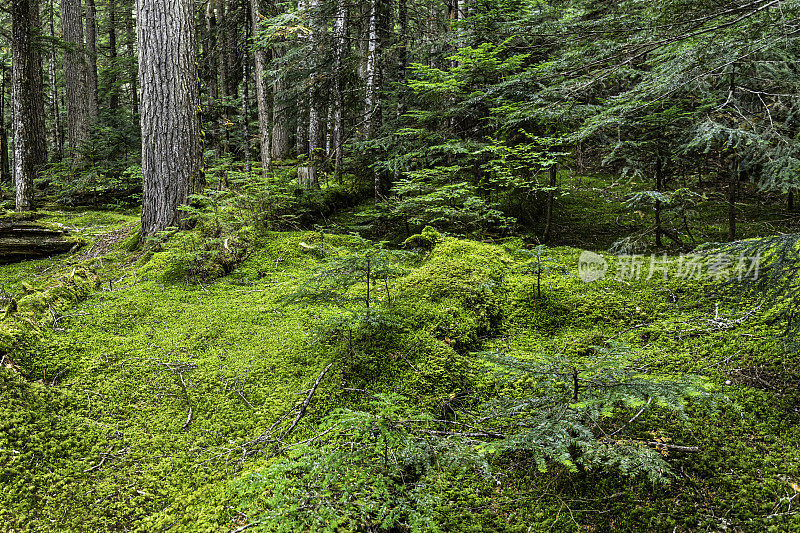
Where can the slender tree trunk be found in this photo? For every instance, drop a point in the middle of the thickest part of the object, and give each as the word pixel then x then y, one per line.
pixel 315 105
pixel 171 149
pixel 281 134
pixel 659 187
pixel 246 97
pixel 402 64
pixel 75 74
pixel 301 127
pixel 223 67
pixel 301 130
pixel 340 52
pixel 130 52
pixel 113 97
pixel 262 92
pixel 5 168
pixel 329 132
pixel 30 138
pixel 55 111
pixel 733 185
pixel 372 102
pixel 91 61
pixel 733 182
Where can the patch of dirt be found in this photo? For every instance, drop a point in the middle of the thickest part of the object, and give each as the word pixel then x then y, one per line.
pixel 107 242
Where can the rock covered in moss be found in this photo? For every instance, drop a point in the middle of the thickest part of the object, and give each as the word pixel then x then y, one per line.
pixel 425 240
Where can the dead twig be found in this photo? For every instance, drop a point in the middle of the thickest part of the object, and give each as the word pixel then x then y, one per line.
pixel 305 403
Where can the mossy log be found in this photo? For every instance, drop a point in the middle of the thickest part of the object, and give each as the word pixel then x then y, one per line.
pixel 20 239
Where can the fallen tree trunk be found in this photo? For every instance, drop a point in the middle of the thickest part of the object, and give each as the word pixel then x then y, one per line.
pixel 21 240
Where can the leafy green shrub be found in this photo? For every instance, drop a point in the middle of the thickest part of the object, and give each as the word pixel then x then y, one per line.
pixel 442 198
pixel 386 467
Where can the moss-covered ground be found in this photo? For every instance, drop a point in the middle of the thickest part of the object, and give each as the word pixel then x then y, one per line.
pixel 129 394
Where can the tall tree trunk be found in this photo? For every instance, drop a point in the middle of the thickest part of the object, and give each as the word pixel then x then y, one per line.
pixel 329 132
pixel 91 60
pixel 130 52
pixel 246 113
pixel 55 111
pixel 262 92
pixel 281 133
pixel 5 169
pixel 211 72
pixel 659 187
pixel 372 101
pixel 316 141
pixel 733 185
pixel 223 67
pixel 245 96
pixel 301 127
pixel 402 65
pixel 340 52
pixel 30 138
pixel 171 150
pixel 113 97
pixel 75 74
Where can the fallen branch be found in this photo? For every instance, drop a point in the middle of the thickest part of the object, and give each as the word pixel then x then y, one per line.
pixel 248 526
pixel 671 447
pixel 188 420
pixel 305 403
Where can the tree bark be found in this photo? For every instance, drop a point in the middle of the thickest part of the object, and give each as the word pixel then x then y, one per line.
pixel 340 52
pixel 301 127
pixel 372 101
pixel 402 65
pixel 733 185
pixel 281 132
pixel 75 71
pixel 246 110
pixel 113 97
pixel 659 187
pixel 91 61
pixel 281 136
pixel 30 140
pixel 262 93
pixel 316 143
pixel 130 52
pixel 55 111
pixel 225 74
pixel 5 169
pixel 171 149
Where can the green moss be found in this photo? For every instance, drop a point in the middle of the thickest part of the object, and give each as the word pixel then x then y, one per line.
pixel 101 439
pixel 425 240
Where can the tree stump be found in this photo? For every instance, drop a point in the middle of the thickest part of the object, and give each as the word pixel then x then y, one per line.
pixel 307 177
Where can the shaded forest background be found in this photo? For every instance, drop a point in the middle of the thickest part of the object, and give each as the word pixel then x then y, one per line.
pixel 464 115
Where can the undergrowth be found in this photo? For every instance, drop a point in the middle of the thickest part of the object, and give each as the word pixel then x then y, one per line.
pixel 140 393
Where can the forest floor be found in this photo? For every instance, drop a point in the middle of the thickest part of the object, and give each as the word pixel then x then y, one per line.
pixel 129 392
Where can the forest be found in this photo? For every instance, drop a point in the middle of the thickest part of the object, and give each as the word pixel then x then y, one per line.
pixel 399 265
